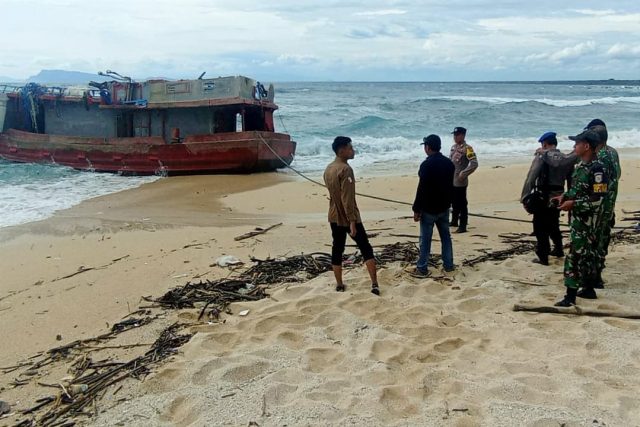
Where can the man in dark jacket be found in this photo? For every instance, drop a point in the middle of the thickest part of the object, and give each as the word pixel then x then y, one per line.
pixel 548 173
pixel 431 206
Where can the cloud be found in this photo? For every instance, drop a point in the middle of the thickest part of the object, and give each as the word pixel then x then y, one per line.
pixel 353 39
pixel 624 51
pixel 594 12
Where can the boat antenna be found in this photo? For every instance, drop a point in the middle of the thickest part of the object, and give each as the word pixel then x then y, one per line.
pixel 202 75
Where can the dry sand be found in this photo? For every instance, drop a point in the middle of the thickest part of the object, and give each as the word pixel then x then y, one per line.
pixel 446 351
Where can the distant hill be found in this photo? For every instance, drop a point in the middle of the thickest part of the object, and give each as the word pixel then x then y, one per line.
pixel 65 77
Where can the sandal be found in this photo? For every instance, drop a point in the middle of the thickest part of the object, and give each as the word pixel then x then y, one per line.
pixel 340 288
pixel 375 289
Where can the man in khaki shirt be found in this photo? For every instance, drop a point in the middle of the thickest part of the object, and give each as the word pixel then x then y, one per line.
pixel 344 216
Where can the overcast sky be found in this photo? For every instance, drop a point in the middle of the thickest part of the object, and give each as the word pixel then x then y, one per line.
pixel 293 40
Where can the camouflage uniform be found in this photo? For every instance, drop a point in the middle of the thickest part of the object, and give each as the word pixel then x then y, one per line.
pixel 609 160
pixel 589 186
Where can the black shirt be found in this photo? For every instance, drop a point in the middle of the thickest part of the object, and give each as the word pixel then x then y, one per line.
pixel 436 185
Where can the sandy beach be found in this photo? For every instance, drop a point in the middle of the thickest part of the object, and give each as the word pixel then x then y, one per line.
pixel 446 351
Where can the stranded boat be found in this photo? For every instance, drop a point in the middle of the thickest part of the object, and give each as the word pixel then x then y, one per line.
pixel 160 127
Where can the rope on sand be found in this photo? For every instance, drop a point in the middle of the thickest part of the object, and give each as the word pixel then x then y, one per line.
pixel 399 202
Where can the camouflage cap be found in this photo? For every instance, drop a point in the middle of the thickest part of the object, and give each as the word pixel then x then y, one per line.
pixel 589 136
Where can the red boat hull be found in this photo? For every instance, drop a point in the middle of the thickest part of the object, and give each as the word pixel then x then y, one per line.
pixel 244 152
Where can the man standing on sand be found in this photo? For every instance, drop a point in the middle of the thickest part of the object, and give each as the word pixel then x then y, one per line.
pixel 431 205
pixel 465 161
pixel 344 216
pixel 548 173
pixel 589 186
pixel 609 158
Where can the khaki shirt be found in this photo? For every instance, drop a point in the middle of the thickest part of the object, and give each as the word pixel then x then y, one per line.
pixel 465 161
pixel 339 179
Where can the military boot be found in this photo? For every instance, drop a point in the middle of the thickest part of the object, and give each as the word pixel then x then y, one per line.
pixel 587 292
pixel 569 299
pixel 599 283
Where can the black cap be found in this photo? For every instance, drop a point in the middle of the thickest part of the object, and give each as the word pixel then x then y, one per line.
pixel 432 141
pixel 601 131
pixel 595 122
pixel 589 136
pixel 459 129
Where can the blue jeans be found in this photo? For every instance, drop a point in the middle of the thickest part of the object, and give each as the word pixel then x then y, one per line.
pixel 441 221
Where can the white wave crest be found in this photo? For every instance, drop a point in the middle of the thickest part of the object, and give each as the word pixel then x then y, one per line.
pixel 546 101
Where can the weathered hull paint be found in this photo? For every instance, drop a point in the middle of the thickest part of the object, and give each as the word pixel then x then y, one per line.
pixel 243 152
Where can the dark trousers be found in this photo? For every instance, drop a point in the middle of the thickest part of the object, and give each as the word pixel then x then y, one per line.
pixel 340 238
pixel 459 209
pixel 546 225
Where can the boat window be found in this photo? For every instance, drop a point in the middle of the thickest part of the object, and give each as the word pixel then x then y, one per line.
pixel 239 122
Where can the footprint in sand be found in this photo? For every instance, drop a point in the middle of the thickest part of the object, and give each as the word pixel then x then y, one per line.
pixel 538 383
pixel 627 325
pixel 448 321
pixel 426 356
pixel 165 380
pixel 291 339
pixel 201 376
pixel 471 305
pixel 313 310
pixel 447 346
pixel 275 323
pixel 223 341
pixel 323 359
pixel 396 400
pixel 387 351
pixel 280 394
pixel 321 300
pixel 243 373
pixel 180 412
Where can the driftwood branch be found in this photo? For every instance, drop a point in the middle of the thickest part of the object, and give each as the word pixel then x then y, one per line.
pixel 524 282
pixel 256 232
pixel 575 310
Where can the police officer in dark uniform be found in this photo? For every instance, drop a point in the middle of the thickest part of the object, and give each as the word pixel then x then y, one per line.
pixel 547 175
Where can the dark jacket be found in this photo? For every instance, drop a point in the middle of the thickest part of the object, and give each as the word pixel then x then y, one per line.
pixel 548 172
pixel 436 185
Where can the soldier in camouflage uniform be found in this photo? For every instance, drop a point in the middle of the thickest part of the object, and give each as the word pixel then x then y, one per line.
pixel 608 156
pixel 583 199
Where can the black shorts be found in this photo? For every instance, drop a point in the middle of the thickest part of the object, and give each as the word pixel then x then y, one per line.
pixel 340 238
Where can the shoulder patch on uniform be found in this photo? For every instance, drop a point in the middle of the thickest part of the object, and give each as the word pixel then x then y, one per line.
pixel 470 153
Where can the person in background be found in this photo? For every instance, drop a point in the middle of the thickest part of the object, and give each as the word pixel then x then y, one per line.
pixel 609 158
pixel 344 216
pixel 465 162
pixel 549 171
pixel 432 203
pixel 583 199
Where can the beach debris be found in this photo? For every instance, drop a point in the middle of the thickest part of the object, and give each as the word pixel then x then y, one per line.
pixel 5 408
pixel 83 269
pixel 89 379
pixel 517 248
pixel 256 232
pixel 575 310
pixel 243 313
pixel 226 260
pixel 58 337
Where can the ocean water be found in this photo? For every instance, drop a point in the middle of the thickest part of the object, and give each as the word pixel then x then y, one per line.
pixel 386 122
